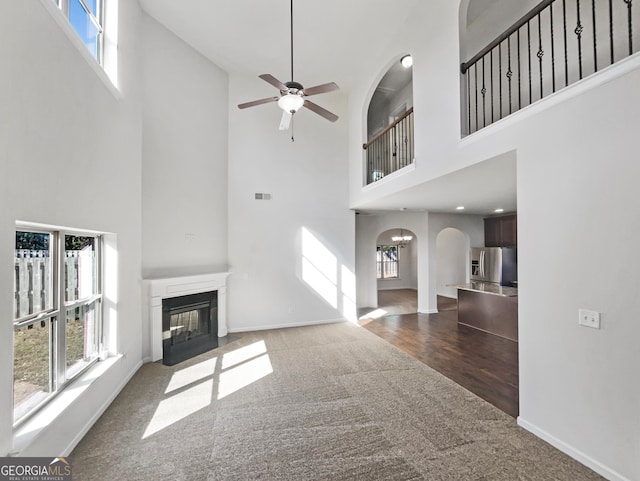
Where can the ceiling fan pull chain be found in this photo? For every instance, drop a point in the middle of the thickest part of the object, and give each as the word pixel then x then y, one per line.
pixel 293 122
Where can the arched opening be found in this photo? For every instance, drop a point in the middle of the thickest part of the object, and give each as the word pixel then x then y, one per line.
pixel 389 145
pixel 452 254
pixel 397 271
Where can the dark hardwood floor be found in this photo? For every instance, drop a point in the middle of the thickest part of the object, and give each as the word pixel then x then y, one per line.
pixel 485 364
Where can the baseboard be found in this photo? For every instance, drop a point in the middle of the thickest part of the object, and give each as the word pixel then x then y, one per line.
pixel 579 456
pixel 74 442
pixel 429 311
pixel 283 326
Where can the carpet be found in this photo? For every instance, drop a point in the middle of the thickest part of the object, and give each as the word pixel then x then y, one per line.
pixel 329 402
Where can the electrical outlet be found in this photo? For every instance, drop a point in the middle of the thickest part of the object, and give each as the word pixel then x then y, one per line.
pixel 589 318
pixel 189 237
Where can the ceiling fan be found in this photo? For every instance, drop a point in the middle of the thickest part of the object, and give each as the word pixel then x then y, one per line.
pixel 293 95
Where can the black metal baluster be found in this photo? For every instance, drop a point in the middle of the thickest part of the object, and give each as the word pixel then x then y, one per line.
pixel 484 97
pixel 491 96
pixel 475 71
pixel 595 47
pixel 529 57
pixel 500 78
pixel 540 52
pixel 578 31
pixel 611 30
pixel 629 21
pixel 509 72
pixel 553 52
pixel 519 75
pixel 468 100
pixel 566 55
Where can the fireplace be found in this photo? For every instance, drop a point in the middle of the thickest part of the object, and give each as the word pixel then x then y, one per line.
pixel 189 326
pixel 160 289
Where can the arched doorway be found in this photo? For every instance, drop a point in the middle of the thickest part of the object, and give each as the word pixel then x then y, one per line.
pixel 452 255
pixel 397 271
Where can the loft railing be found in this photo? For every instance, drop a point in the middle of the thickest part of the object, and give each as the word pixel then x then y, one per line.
pixel 391 149
pixel 554 45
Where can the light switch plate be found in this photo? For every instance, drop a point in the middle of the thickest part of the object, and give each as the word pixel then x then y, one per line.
pixel 589 318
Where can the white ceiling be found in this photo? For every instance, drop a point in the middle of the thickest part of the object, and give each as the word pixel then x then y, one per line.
pixel 251 37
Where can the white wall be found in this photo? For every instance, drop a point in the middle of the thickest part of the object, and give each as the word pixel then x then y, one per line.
pixel 184 160
pixel 69 156
pixel 273 281
pixel 184 151
pixel 407 263
pixel 452 260
pixel 576 384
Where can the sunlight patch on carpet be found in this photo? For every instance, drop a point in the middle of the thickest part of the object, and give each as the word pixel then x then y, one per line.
pixel 243 354
pixel 243 375
pixel 179 406
pixel 191 375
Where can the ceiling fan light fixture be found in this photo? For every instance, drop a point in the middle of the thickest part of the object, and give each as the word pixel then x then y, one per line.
pixel 406 61
pixel 290 102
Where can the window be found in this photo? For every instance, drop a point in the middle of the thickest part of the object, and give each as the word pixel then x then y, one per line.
pixel 87 19
pixel 57 313
pixel 387 262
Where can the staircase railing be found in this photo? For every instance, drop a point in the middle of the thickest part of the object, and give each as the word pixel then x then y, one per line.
pixel 391 149
pixel 554 45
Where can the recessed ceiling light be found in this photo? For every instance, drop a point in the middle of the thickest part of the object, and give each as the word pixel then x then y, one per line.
pixel 499 211
pixel 460 207
pixel 406 61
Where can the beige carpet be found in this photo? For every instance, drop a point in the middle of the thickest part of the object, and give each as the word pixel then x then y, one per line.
pixel 331 402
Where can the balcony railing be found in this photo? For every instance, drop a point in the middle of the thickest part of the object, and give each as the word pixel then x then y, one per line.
pixel 391 149
pixel 554 45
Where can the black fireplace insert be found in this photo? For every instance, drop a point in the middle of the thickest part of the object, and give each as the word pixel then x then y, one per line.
pixel 189 326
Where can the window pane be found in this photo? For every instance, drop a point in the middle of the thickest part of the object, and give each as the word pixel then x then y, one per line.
pixel 31 366
pixel 84 26
pixel 92 5
pixel 32 280
pixel 80 274
pixel 82 335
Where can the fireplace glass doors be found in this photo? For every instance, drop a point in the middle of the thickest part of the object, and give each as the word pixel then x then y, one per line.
pixel 189 326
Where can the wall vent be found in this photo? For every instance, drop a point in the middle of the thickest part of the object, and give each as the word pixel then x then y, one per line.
pixel 263 196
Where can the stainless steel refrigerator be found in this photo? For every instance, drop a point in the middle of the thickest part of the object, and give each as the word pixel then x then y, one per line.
pixel 494 264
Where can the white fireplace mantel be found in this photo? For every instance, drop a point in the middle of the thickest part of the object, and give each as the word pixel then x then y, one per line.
pixel 165 288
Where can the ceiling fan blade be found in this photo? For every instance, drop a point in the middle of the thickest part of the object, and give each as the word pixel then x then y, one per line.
pixel 321 89
pixel 258 102
pixel 320 111
pixel 285 121
pixel 273 81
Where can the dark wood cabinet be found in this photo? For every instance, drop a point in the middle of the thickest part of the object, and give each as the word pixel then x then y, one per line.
pixel 501 231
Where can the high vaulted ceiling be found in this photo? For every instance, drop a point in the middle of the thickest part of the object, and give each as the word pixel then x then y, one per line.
pixel 252 36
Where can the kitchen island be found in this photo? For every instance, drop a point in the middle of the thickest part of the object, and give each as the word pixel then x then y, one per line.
pixel 489 307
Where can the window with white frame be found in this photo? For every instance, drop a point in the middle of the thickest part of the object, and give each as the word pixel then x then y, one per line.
pixel 57 313
pixel 387 262
pixel 87 19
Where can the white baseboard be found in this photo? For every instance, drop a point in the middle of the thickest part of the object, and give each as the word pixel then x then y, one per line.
pixel 107 402
pixel 283 326
pixel 579 456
